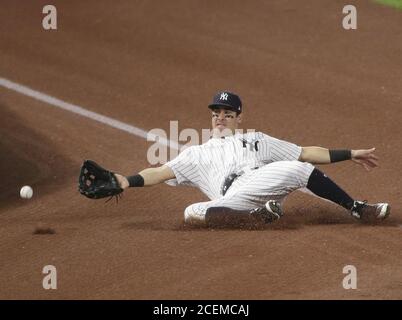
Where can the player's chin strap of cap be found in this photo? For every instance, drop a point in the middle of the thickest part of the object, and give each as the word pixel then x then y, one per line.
pixel 232 177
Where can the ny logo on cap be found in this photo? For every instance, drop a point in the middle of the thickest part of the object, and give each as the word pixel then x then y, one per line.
pixel 224 96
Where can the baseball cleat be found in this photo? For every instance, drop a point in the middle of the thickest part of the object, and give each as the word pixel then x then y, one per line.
pixel 271 212
pixel 365 211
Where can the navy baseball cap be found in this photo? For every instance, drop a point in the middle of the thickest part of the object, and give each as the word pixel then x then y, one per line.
pixel 227 100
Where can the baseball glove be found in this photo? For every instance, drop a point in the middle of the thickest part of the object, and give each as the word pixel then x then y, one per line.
pixel 96 182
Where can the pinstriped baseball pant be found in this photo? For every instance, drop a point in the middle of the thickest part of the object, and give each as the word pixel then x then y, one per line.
pixel 253 189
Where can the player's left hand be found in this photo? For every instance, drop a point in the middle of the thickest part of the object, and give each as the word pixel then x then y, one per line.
pixel 365 158
pixel 96 182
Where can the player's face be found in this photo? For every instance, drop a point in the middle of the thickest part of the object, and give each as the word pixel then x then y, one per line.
pixel 225 120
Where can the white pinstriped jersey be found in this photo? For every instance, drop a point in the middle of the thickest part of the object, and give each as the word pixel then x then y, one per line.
pixel 206 166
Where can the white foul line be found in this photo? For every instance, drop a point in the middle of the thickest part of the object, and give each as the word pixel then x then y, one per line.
pixel 86 113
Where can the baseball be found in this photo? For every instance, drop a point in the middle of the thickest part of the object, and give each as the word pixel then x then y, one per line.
pixel 26 192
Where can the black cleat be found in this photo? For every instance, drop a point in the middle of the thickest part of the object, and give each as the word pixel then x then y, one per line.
pixel 364 211
pixel 271 212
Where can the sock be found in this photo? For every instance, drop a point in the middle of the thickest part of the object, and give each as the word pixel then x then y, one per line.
pixel 324 187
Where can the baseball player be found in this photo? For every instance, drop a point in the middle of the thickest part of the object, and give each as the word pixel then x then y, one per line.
pixel 248 176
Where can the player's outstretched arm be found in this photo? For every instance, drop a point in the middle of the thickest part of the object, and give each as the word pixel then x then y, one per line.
pixel 319 155
pixel 150 177
pixel 365 158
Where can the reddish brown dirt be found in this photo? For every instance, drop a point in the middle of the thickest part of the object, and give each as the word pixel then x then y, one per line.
pixel 302 78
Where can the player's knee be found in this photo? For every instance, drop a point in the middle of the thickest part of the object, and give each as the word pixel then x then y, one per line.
pixel 304 170
pixel 298 166
pixel 306 166
pixel 195 214
pixel 297 172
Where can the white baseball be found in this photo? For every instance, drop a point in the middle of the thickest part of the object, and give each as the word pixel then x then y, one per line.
pixel 26 192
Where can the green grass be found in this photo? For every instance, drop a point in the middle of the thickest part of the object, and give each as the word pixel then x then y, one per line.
pixel 393 3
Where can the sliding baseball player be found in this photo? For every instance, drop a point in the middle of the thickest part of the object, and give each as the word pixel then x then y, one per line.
pixel 247 176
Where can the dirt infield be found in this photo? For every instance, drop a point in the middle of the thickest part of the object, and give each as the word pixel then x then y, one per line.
pixel 302 78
